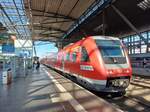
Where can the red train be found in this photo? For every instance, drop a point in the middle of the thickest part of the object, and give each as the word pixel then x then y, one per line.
pixel 98 62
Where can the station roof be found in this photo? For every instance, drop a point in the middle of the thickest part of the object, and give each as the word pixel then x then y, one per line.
pixel 137 12
pixel 59 19
pixel 51 19
pixel 114 23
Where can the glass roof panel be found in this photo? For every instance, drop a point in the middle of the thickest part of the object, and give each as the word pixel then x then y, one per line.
pixel 13 17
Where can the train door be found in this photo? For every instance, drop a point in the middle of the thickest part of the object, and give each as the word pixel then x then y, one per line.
pixel 63 63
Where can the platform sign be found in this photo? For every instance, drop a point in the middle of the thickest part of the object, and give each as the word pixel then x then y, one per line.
pixel 8 48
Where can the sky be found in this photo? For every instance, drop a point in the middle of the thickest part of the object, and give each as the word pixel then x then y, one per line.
pixel 45 48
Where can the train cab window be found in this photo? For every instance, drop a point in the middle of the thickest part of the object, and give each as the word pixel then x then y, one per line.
pixel 84 55
pixel 74 57
pixel 111 51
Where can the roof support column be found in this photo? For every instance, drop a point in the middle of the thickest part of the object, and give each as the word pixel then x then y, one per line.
pixel 34 49
pixel 104 22
pixel 59 44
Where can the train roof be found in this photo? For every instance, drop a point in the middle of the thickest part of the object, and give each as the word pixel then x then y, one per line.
pixel 105 37
pixel 92 37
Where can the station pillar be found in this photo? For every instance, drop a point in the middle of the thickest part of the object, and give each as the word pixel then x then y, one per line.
pixel 59 45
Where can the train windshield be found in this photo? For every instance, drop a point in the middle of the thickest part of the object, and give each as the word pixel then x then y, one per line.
pixel 112 51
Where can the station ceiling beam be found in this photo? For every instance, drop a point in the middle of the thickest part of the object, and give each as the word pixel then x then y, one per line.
pixel 58 21
pixel 57 32
pixel 47 35
pixel 53 15
pixel 36 27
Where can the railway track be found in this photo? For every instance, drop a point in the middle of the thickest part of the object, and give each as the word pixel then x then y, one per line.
pixel 138 101
pixel 129 104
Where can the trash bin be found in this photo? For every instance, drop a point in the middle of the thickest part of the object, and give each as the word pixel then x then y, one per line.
pixel 7 77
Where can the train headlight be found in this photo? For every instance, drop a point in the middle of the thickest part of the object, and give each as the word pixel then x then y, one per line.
pixel 126 83
pixel 127 71
pixel 110 71
pixel 115 83
pixel 120 82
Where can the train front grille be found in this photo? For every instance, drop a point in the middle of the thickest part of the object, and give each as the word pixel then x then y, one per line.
pixel 118 82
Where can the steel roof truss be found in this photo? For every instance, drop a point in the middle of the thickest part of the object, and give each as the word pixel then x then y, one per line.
pixel 57 32
pixel 57 22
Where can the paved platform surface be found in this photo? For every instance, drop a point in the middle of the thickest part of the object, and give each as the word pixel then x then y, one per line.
pixel 39 92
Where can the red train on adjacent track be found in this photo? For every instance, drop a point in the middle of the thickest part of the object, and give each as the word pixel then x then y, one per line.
pixel 98 62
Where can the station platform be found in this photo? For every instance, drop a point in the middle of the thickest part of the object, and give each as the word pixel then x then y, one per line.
pixel 47 91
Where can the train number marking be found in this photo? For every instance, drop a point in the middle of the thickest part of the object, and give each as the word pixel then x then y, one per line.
pixel 86 67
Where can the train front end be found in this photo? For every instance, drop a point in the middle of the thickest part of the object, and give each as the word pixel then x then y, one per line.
pixel 116 64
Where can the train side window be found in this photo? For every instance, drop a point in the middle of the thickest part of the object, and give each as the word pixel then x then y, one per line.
pixel 84 55
pixel 58 57
pixel 67 56
pixel 74 57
